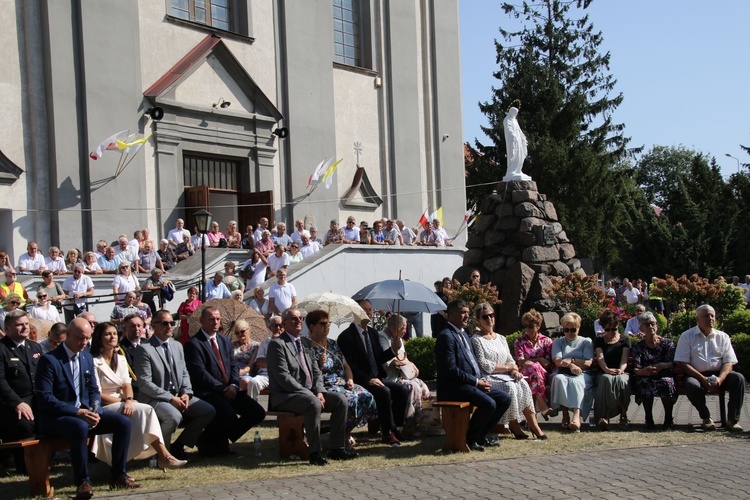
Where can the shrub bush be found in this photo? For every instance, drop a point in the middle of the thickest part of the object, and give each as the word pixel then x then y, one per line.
pixel 662 322
pixel 737 322
pixel 421 352
pixel 589 315
pixel 679 323
pixel 511 339
pixel 694 291
pixel 574 292
pixel 741 344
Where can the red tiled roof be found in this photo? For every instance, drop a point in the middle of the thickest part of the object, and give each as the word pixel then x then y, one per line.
pixel 183 65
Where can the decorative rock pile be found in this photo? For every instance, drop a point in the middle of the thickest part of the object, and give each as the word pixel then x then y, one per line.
pixel 518 243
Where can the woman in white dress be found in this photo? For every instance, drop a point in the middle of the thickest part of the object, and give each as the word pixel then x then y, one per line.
pixel 115 385
pixel 124 282
pixel 44 309
pixel 500 370
pixel 259 303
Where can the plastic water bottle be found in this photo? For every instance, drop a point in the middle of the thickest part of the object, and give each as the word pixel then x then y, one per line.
pixel 257 443
pixel 153 462
pixel 712 380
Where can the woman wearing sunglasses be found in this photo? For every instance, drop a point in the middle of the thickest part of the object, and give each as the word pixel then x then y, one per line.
pixel 572 356
pixel 44 308
pixel 499 368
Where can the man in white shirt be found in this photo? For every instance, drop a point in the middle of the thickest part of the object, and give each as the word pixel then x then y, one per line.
pixel 408 236
pixel 631 294
pixel 633 326
pixel 176 234
pixel 125 251
pixel 77 288
pixel 707 357
pixel 351 231
pixel 32 262
pixel 262 226
pixel 279 259
pixel 55 262
pixel 101 248
pixel 391 234
pixel 307 247
pixel 440 231
pixel 297 235
pixel 281 295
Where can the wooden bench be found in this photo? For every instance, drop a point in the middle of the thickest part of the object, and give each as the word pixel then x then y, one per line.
pixel 38 453
pixel 291 434
pixel 455 417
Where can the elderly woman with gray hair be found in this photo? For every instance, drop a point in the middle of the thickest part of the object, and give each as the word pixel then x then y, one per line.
pixel 400 369
pixel 653 359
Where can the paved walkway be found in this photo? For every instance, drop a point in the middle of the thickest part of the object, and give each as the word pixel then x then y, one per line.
pixel 632 473
pixel 658 472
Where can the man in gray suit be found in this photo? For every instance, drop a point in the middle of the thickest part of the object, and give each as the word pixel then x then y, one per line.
pixel 296 386
pixel 164 383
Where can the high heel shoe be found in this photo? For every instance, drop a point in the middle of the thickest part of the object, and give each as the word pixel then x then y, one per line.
pixel 171 463
pixel 549 412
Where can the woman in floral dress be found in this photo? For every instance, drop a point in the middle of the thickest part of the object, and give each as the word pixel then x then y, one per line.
pixel 337 376
pixel 653 359
pixel 534 358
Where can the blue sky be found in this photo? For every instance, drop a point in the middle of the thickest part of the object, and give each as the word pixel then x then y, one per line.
pixel 682 66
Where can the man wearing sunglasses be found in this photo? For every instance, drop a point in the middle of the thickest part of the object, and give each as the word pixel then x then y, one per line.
pixel 164 383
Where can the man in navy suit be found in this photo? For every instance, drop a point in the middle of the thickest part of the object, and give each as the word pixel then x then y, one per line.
pixel 69 406
pixel 458 378
pixel 215 377
pixel 19 358
pixel 365 356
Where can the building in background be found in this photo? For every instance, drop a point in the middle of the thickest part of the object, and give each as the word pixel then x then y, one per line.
pixel 375 83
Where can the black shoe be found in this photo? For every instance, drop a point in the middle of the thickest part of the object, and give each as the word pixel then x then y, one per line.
pixel 400 436
pixel 177 451
pixel 668 423
pixel 489 442
pixel 317 459
pixel 342 454
pixel 476 447
pixel 650 423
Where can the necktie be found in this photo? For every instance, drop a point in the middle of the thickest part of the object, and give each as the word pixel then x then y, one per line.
pixel 75 368
pixel 469 353
pixel 303 362
pixel 370 355
pixel 170 368
pixel 215 347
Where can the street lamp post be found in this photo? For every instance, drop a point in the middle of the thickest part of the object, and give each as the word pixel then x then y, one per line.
pixel 735 159
pixel 203 222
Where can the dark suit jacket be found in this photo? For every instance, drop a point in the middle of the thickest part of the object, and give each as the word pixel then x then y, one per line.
pixel 129 349
pixel 454 369
pixel 55 392
pixel 17 371
pixel 203 367
pixel 153 373
pixel 286 377
pixel 351 344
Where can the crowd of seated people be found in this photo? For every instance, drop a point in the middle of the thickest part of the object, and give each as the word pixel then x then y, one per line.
pixel 130 381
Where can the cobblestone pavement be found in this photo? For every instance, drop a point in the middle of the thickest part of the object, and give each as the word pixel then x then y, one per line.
pixel 658 472
pixel 631 473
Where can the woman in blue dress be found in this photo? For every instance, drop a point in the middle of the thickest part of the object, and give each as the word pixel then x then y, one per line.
pixel 337 376
pixel 572 356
